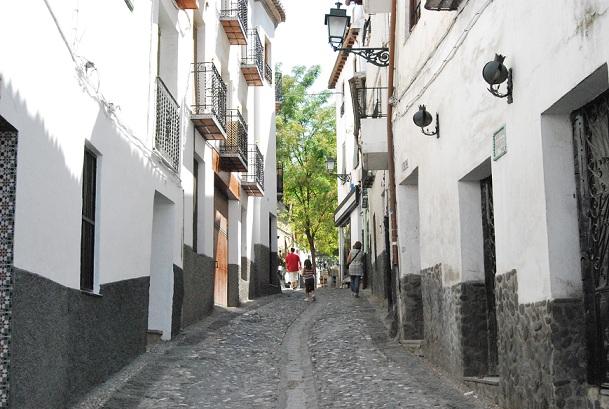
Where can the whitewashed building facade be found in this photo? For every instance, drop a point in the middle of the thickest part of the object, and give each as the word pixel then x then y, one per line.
pixel 134 196
pixel 501 214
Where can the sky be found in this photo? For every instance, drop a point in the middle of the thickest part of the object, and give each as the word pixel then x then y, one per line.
pixel 303 38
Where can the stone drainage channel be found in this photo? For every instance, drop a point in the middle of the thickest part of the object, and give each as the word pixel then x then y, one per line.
pixel 283 352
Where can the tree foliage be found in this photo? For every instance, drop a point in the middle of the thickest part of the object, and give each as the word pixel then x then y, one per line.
pixel 306 136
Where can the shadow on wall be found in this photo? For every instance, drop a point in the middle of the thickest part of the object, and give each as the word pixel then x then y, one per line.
pixel 63 341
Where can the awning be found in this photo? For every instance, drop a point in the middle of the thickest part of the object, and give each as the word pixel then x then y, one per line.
pixel 342 215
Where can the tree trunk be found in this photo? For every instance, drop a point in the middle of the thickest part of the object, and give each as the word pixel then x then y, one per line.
pixel 311 241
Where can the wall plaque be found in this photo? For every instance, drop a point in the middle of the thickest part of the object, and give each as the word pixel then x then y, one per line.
pixel 499 143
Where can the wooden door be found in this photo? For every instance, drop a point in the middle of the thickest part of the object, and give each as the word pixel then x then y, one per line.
pixel 221 274
pixel 221 248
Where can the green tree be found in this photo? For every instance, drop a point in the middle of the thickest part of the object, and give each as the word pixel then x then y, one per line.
pixel 306 136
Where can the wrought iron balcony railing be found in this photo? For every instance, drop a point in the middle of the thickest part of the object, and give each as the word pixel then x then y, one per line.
pixel 278 90
pixel 268 73
pixel 233 151
pixel 167 129
pixel 252 59
pixel 253 181
pixel 209 110
pixel 280 181
pixel 233 17
pixel 370 102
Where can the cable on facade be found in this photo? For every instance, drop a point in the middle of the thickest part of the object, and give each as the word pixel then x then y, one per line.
pixel 445 62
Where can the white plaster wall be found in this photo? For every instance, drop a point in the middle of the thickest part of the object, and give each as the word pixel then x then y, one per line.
pixel 548 61
pixel 57 107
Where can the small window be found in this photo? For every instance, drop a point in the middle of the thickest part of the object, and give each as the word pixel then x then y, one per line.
pixel 87 239
pixel 415 12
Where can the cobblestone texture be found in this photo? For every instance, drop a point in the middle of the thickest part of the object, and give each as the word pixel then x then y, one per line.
pixel 283 352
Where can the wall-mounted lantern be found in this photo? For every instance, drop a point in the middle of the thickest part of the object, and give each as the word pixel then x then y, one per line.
pixel 495 74
pixel 338 24
pixel 343 177
pixel 423 119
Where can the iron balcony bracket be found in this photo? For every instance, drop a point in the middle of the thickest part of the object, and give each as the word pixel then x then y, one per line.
pixel 376 56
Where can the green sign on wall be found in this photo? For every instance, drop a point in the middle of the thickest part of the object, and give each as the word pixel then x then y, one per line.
pixel 499 143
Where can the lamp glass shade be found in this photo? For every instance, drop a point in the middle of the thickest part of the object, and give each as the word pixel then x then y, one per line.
pixel 494 72
pixel 330 164
pixel 337 22
pixel 422 118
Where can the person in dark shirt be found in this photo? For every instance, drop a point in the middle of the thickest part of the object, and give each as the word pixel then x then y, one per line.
pixel 308 273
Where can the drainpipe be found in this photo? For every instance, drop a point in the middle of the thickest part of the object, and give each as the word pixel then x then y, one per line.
pixel 392 190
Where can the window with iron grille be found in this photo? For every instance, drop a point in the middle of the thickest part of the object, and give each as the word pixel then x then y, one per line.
pixel 167 135
pixel 87 239
pixel 415 12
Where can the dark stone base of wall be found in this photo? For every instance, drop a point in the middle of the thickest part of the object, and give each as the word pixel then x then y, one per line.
pixel 232 299
pixel 198 289
pixel 455 324
pixel 411 307
pixel 542 353
pixel 262 282
pixel 178 300
pixel 377 275
pixel 64 342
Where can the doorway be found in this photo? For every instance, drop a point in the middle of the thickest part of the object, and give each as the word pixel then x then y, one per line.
pixel 221 248
pixel 591 145
pixel 160 301
pixel 490 270
pixel 8 172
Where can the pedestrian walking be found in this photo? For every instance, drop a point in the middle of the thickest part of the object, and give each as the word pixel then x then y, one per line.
pixel 293 265
pixel 308 273
pixel 355 263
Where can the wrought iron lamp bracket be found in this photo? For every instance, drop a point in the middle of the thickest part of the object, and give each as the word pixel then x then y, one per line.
pixel 436 132
pixel 376 56
pixel 343 177
pixel 495 89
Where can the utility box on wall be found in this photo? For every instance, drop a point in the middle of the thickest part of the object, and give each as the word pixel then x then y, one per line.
pixel 377 6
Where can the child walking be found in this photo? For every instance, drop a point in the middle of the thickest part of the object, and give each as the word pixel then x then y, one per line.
pixel 308 273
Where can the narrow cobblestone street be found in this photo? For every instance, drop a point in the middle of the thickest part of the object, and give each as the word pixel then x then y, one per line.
pixel 281 351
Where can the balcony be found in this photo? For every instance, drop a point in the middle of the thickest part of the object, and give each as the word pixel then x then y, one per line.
pixel 253 181
pixel 367 177
pixel 233 17
pixel 278 90
pixel 373 137
pixel 209 111
pixel 268 74
pixel 233 151
pixel 167 126
pixel 370 102
pixel 280 181
pixel 252 61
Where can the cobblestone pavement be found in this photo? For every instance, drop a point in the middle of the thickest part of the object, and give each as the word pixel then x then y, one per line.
pixel 282 352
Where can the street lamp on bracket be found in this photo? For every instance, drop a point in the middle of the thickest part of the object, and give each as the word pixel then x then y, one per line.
pixel 343 177
pixel 338 24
